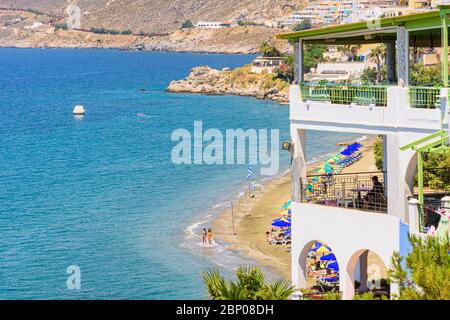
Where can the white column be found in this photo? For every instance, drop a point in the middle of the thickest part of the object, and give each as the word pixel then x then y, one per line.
pixel 413 216
pixel 363 277
pixel 394 194
pixel 298 169
pixel 402 56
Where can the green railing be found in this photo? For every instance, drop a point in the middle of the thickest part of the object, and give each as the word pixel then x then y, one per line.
pixel 345 94
pixel 424 97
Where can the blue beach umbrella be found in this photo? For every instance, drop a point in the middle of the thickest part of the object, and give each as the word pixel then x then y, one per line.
pixel 328 257
pixel 331 280
pixel 318 245
pixel 334 266
pixel 281 223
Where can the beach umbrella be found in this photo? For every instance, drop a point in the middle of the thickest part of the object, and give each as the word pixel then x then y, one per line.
pixel 287 205
pixel 323 250
pixel 334 266
pixel 331 280
pixel 328 257
pixel 280 223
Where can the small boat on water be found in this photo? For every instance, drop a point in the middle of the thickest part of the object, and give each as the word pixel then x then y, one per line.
pixel 79 110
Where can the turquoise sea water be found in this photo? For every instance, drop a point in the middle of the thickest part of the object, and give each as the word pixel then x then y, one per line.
pixel 101 192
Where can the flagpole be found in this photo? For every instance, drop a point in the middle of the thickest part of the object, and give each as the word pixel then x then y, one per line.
pixel 232 218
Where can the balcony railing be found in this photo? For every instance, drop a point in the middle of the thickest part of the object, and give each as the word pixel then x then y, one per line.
pixel 424 97
pixel 355 191
pixel 345 94
pixel 364 95
pixel 430 214
pixel 436 187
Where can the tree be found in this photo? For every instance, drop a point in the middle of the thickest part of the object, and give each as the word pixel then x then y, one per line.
pixel 126 32
pixel 351 51
pixel 305 24
pixel 313 54
pixel 426 272
pixel 268 50
pixel 250 285
pixel 187 25
pixel 378 55
pixel 420 75
pixel 369 76
pixel 286 69
pixel 378 151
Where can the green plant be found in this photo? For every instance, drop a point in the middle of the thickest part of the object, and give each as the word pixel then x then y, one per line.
pixel 332 296
pixel 313 54
pixel 303 25
pixel 268 50
pixel 421 75
pixel 378 152
pixel 126 32
pixel 187 25
pixel 369 76
pixel 62 26
pixel 250 285
pixel 425 275
pixel 368 296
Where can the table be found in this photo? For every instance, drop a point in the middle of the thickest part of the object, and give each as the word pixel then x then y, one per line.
pixel 359 190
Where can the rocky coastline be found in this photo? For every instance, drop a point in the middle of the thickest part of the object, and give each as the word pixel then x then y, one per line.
pixel 240 82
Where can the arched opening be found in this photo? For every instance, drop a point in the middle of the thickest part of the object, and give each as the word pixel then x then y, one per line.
pixel 366 272
pixel 319 268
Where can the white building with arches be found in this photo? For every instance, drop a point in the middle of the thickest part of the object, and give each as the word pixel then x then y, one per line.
pixel 336 213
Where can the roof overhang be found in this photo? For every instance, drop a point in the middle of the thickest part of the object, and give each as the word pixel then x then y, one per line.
pixel 371 31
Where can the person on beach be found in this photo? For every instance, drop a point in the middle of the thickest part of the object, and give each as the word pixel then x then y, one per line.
pixel 204 236
pixel 209 236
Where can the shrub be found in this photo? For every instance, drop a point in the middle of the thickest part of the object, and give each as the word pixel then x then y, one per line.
pixel 187 25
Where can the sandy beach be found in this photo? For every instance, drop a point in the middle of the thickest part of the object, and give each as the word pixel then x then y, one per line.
pixel 252 217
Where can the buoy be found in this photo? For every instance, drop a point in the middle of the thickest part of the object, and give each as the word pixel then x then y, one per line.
pixel 79 110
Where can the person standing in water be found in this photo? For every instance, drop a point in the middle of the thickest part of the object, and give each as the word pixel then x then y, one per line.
pixel 210 236
pixel 204 236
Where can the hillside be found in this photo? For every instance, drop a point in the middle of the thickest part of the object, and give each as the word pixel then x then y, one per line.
pixel 158 15
pixel 26 29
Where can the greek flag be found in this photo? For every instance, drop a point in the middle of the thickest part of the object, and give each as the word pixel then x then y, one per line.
pixel 249 172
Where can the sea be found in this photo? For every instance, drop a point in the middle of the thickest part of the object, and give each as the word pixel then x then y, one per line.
pixel 99 197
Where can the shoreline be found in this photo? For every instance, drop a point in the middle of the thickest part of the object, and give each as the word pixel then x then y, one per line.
pixel 252 217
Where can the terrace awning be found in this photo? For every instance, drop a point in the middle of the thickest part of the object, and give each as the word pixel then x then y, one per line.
pixel 425 29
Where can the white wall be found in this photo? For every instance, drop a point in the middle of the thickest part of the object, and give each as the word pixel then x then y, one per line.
pixel 347 232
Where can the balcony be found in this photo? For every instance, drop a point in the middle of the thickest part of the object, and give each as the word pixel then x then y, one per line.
pixel 366 109
pixel 345 94
pixel 367 95
pixel 365 191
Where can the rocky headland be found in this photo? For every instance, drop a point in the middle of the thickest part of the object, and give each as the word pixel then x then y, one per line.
pixel 239 81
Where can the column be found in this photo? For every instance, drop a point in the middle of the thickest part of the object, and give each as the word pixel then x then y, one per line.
pixel 444 32
pixel 390 63
pixel 298 61
pixel 298 169
pixel 363 264
pixel 413 216
pixel 402 56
